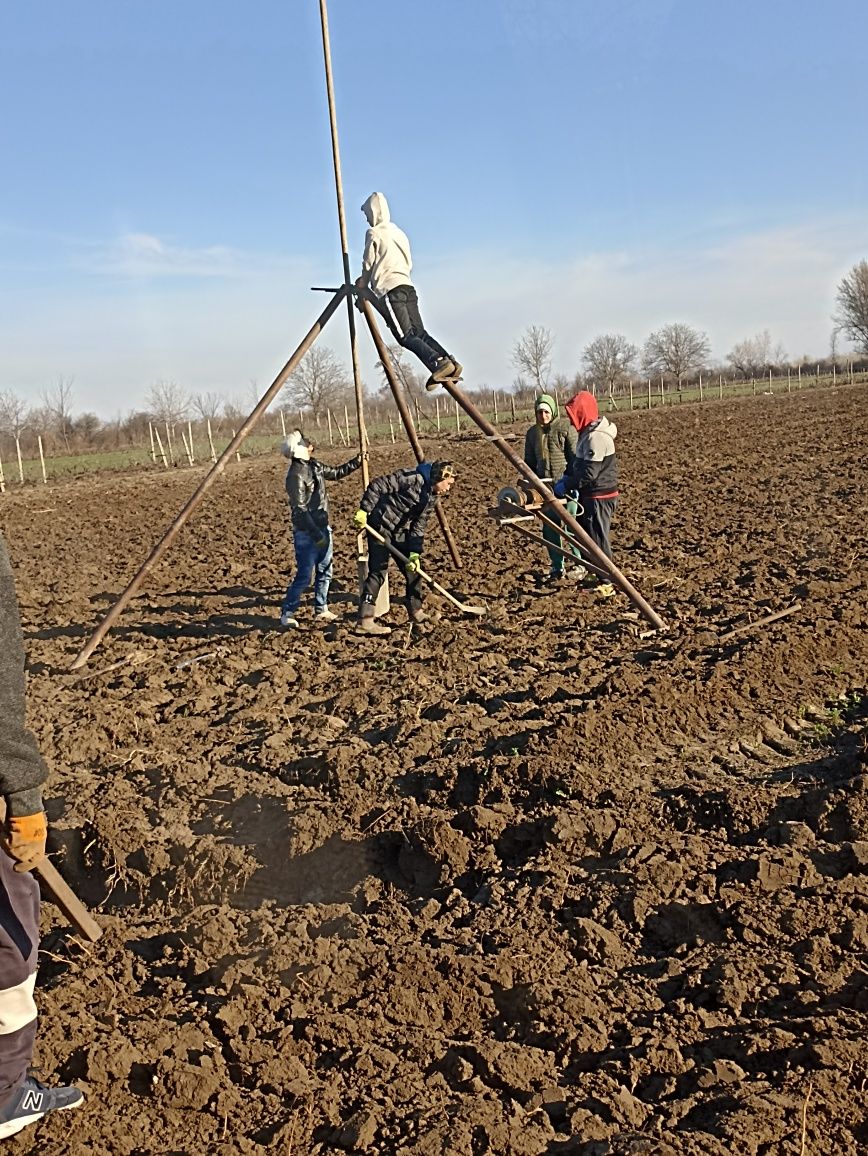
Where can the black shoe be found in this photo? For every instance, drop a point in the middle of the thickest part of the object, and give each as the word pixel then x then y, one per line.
pixel 31 1101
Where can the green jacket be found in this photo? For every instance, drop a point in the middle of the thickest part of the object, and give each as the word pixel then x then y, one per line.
pixel 548 450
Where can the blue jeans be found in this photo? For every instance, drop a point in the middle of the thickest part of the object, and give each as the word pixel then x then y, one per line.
pixel 307 560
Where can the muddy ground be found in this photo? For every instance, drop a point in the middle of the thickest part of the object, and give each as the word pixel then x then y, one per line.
pixel 531 884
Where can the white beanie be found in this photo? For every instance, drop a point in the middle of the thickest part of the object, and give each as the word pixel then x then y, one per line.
pixel 296 446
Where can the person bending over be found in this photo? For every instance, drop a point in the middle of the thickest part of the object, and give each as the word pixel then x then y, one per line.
pixel 398 506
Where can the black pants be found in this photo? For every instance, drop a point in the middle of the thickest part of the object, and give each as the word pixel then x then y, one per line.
pixel 19 941
pixel 378 564
pixel 596 521
pixel 400 307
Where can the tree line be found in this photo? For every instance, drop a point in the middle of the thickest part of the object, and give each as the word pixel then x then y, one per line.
pixel 322 385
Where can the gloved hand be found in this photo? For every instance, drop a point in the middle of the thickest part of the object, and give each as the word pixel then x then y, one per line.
pixel 414 563
pixel 360 519
pixel 559 489
pixel 23 839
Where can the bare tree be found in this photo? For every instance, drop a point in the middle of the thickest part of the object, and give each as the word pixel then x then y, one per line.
pixel 207 405
pixel 608 361
pixel 57 403
pixel 753 356
pixel 676 349
pixel 168 402
pixel 408 378
pixel 13 413
pixel 319 382
pixel 532 355
pixel 852 300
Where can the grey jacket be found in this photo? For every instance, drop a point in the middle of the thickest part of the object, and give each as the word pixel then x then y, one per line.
pixel 22 771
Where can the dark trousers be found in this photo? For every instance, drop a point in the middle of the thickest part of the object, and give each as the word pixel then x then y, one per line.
pixel 378 564
pixel 401 309
pixel 19 939
pixel 596 521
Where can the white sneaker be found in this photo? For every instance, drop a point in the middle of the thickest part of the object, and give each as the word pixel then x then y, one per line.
pixel 325 615
pixel 288 620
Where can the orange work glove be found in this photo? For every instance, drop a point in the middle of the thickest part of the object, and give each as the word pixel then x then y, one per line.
pixel 24 839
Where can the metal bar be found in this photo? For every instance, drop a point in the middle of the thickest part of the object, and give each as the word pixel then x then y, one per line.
pixel 568 554
pixel 585 541
pixel 342 224
pixel 406 417
pixel 207 482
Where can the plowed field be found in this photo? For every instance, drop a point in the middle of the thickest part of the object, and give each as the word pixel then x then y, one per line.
pixel 535 883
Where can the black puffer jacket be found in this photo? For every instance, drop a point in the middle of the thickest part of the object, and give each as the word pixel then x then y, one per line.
pixel 306 489
pixel 22 771
pixel 399 505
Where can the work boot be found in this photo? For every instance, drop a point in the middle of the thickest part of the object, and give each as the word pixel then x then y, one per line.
pixel 325 615
pixel 444 370
pixel 31 1101
pixel 288 618
pixel 371 626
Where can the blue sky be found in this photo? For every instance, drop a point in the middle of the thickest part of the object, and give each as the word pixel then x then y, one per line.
pixel 587 165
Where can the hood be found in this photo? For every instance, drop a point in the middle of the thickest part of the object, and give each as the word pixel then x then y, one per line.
pixel 547 399
pixel 296 447
pixel 424 468
pixel 376 209
pixel 582 410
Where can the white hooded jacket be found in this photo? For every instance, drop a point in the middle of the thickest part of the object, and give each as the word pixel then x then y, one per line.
pixel 386 262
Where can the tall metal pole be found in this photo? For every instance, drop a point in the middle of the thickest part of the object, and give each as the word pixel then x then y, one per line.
pixel 382 606
pixel 406 418
pixel 342 223
pixel 207 482
pixel 587 543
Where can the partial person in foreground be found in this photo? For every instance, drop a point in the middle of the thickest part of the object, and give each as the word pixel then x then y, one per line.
pixel 549 447
pixel 592 476
pixel 23 1099
pixel 398 506
pixel 386 265
pixel 311 531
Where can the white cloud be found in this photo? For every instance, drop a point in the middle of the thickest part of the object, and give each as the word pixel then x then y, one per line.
pixel 215 318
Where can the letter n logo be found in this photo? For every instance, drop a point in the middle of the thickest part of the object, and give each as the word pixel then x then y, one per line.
pixel 32 1101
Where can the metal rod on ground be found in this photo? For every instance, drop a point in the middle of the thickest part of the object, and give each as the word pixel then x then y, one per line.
pixel 587 543
pixel 407 419
pixel 20 463
pixel 205 485
pixel 162 451
pixel 42 459
pixel 765 621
